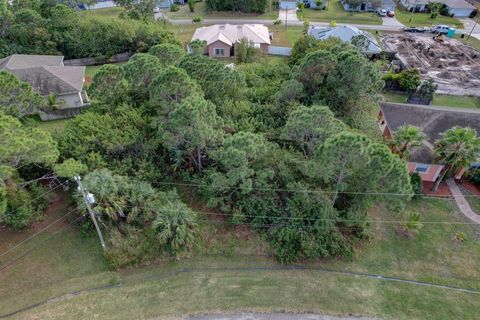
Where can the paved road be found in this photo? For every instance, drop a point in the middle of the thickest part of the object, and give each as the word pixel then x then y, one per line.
pixel 462 203
pixel 274 316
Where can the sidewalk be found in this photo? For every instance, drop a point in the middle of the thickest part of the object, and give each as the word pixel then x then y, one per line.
pixel 462 203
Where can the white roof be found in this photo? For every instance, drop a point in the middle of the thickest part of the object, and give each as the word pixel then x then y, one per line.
pixel 345 33
pixel 230 34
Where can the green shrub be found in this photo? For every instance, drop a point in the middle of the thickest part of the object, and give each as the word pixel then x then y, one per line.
pixel 191 5
pixel 174 7
pixel 417 185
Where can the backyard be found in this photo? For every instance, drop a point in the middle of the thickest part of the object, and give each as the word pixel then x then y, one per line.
pixel 200 11
pixel 336 12
pixel 230 269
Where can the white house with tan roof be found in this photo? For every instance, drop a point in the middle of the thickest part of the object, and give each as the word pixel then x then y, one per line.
pixel 220 39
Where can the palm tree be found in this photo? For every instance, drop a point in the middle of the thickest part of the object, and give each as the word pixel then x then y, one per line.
pixel 53 103
pixel 406 138
pixel 458 148
pixel 413 223
pixel 175 226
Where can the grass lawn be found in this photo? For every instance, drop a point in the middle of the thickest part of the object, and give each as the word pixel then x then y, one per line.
pixel 473 201
pixel 474 42
pixel 102 13
pixel 423 19
pixel 335 12
pixel 285 38
pixel 70 262
pixel 439 100
pixel 183 32
pixel 200 11
pixel 55 127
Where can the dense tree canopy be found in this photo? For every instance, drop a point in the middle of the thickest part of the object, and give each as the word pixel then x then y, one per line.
pixel 56 29
pixel 257 6
pixel 17 98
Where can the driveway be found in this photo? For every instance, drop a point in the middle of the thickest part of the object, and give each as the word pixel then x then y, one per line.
pixel 288 15
pixel 468 25
pixel 391 22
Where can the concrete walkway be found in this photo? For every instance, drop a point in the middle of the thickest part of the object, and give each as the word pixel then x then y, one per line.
pixel 462 203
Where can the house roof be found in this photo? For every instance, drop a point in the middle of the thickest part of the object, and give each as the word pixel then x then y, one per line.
pixel 230 34
pixel 344 33
pixel 46 74
pixel 457 4
pixel 431 120
pixel 20 61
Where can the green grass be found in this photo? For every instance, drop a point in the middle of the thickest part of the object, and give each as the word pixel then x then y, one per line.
pixel 444 100
pixel 184 14
pixel 54 127
pixel 423 19
pixel 69 262
pixel 336 12
pixel 102 13
pixel 473 201
pixel 183 32
pixel 285 38
pixel 474 42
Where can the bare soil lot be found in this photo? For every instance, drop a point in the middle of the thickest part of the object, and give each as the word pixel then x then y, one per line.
pixel 453 65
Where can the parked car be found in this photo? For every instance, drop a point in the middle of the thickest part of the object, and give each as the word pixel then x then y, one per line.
pixel 391 14
pixel 156 10
pixel 443 29
pixel 415 29
pixel 382 12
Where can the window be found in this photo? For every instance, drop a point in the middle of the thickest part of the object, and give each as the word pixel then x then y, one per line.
pixel 218 51
pixel 256 45
pixel 421 167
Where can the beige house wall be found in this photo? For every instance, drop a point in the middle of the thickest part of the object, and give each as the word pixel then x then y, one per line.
pixel 219 45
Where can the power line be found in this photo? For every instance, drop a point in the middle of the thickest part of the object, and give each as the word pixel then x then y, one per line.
pixel 34 235
pixel 16 259
pixel 40 196
pixel 313 191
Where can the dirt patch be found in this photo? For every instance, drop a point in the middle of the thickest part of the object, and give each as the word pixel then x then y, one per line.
pixel 453 65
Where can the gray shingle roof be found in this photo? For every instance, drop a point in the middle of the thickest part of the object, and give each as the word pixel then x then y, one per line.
pixel 46 74
pixel 431 121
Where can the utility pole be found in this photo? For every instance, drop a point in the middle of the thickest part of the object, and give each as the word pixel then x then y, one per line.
pixel 89 200
pixel 271 6
pixel 286 17
pixel 471 31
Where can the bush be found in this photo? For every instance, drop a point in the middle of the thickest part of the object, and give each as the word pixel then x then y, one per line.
pixel 246 6
pixel 417 185
pixel 197 19
pixel 474 176
pixel 174 7
pixel 191 5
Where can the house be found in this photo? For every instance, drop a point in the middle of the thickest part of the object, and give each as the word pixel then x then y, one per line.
pixel 432 122
pixel 345 33
pixel 166 4
pixel 48 76
pixel 220 39
pixel 457 8
pixel 366 6
pixel 292 4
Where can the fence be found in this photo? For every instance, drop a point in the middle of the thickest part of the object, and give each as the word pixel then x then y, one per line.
pixel 121 57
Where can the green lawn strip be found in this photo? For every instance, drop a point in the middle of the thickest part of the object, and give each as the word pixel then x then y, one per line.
pixel 183 32
pixel 223 291
pixel 424 20
pixel 70 262
pixel 184 13
pixel 444 100
pixel 336 12
pixel 103 13
pixel 474 42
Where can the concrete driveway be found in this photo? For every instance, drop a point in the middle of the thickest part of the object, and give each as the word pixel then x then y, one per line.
pixel 468 25
pixel 391 22
pixel 289 15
